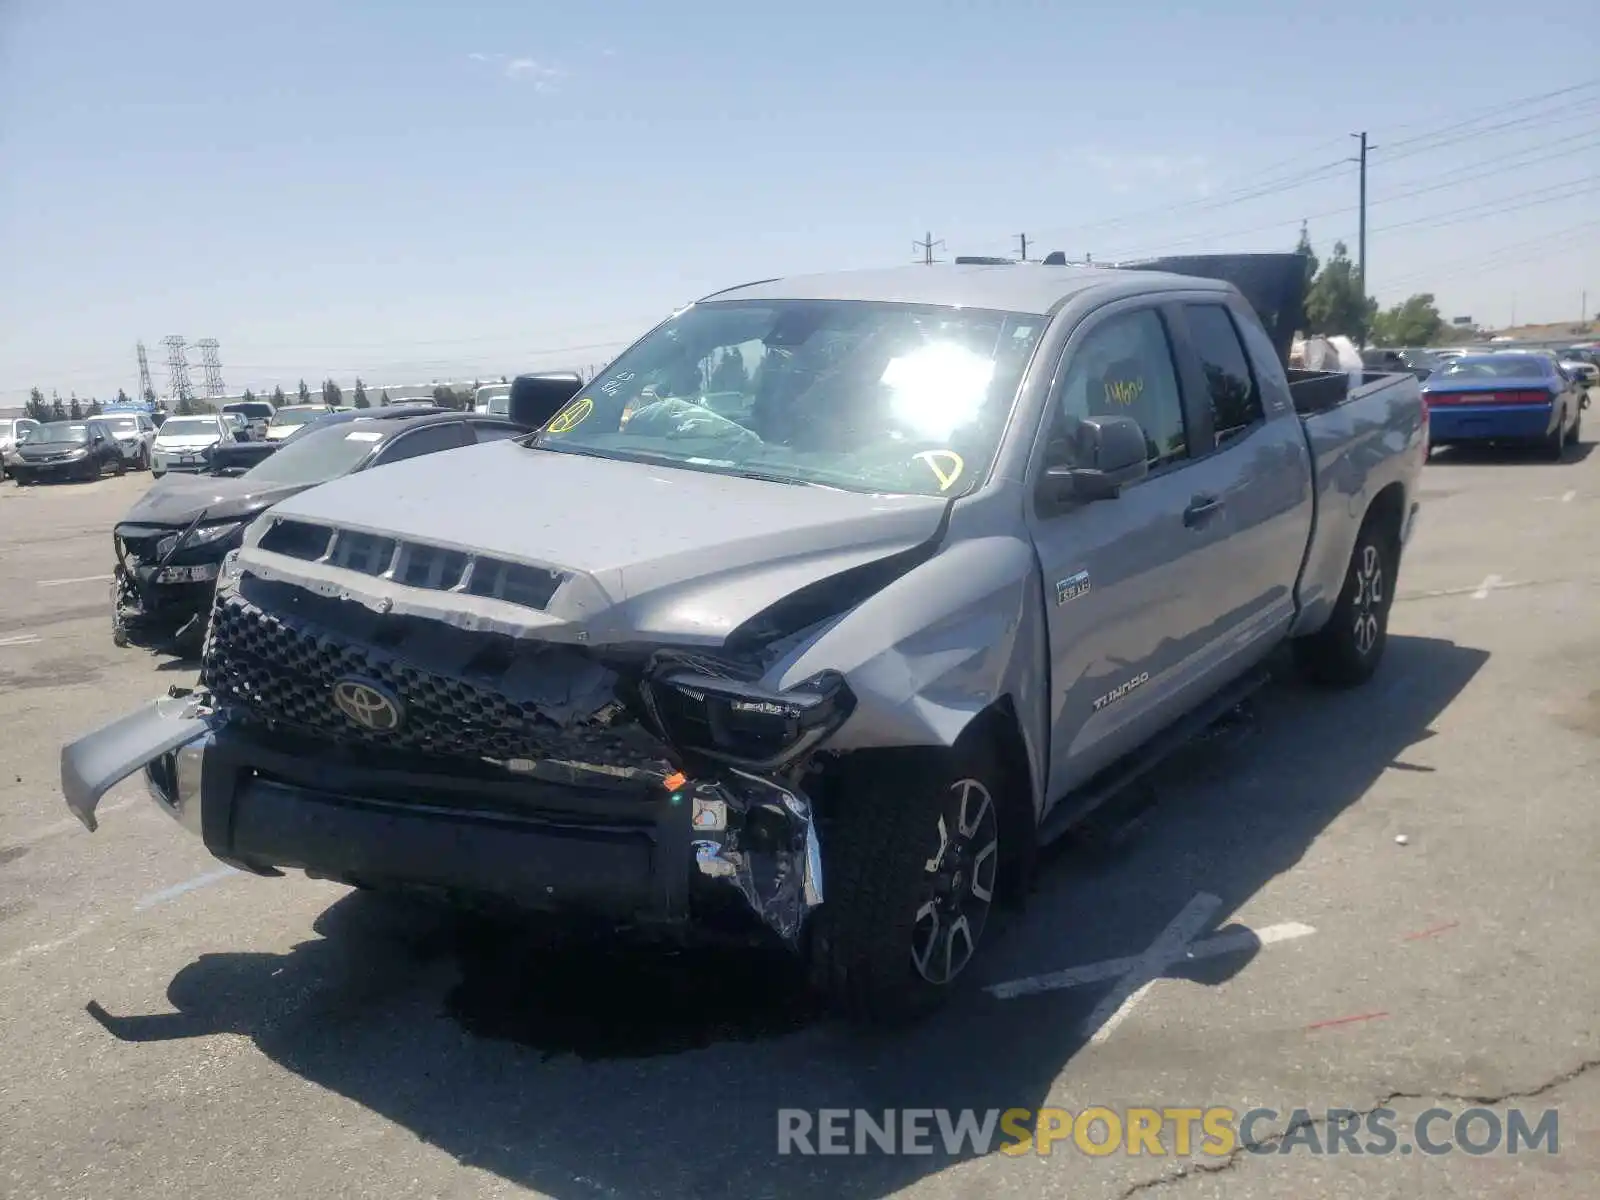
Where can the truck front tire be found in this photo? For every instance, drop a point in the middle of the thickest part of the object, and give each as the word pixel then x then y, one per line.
pixel 1346 651
pixel 910 870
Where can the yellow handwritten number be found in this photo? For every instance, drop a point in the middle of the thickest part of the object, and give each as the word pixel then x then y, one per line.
pixel 1124 391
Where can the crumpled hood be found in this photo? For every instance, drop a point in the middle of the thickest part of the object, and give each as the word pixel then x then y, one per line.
pixel 178 499
pixel 650 552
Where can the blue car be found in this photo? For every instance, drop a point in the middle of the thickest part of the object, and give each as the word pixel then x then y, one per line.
pixel 1504 397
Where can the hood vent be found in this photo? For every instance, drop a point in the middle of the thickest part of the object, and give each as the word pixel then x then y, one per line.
pixel 414 564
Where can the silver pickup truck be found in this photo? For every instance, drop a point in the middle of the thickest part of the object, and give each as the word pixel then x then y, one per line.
pixel 809 618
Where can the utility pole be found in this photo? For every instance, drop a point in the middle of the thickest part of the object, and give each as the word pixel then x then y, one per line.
pixel 1361 245
pixel 1023 238
pixel 178 370
pixel 927 246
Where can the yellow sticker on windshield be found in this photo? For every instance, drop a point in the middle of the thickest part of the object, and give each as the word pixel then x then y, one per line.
pixel 570 417
pixel 946 466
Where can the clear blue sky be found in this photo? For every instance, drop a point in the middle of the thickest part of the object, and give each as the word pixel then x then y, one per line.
pixel 429 190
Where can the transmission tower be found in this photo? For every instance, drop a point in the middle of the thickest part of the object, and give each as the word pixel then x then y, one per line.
pixel 178 367
pixel 212 364
pixel 147 390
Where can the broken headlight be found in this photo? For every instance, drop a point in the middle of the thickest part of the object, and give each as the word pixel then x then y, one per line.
pixel 744 723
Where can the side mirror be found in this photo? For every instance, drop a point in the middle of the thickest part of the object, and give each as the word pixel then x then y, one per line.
pixel 537 398
pixel 1108 454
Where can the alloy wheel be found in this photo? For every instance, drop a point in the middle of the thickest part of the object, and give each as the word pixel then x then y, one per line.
pixel 960 884
pixel 1369 598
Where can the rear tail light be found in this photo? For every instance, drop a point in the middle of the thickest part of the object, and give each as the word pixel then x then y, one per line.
pixel 1443 399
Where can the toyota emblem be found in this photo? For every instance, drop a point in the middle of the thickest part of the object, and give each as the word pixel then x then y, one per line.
pixel 372 707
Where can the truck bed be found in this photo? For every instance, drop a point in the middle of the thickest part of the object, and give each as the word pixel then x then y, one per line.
pixel 1364 440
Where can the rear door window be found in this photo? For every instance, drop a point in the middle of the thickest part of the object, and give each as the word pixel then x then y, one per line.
pixel 428 440
pixel 1231 386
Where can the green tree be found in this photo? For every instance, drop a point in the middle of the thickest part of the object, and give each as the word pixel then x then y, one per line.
pixel 384 399
pixel 75 408
pixel 1304 248
pixel 249 397
pixel 360 399
pixel 58 410
pixel 95 408
pixel 331 393
pixel 37 408
pixel 1413 322
pixel 277 397
pixel 304 393
pixel 184 407
pixel 1335 304
pixel 122 397
pixel 445 397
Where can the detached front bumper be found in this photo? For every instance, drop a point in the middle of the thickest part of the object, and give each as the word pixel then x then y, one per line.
pixel 680 853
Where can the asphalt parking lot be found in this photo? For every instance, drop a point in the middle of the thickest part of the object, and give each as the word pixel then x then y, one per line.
pixel 176 1029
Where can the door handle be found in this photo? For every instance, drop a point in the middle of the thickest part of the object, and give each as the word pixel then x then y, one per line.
pixel 1201 509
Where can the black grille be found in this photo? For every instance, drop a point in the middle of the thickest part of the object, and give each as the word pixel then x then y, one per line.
pixel 414 564
pixel 281 668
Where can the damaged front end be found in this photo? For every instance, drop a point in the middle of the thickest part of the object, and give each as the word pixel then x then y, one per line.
pixel 162 582
pixel 641 788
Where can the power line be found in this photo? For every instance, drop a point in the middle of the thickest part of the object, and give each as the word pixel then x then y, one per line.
pixel 1493 111
pixel 1553 241
pixel 1586 108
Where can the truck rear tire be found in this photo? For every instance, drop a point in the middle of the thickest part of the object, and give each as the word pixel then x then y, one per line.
pixel 1346 651
pixel 910 869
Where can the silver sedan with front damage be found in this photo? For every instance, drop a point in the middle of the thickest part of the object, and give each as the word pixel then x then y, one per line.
pixel 810 618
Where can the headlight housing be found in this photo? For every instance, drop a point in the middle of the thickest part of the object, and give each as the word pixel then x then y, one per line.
pixel 743 723
pixel 206 535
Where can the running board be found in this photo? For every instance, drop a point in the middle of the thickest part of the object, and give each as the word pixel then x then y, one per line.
pixel 1110 796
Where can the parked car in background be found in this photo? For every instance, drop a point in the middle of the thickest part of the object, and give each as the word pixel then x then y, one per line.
pixel 135 433
pixel 12 431
pixel 238 423
pixel 291 416
pixel 820 657
pixel 68 450
pixel 257 414
pixel 1510 396
pixel 492 398
pixel 171 543
pixel 187 443
pixel 1582 365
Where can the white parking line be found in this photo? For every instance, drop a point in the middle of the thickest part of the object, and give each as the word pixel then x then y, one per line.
pixel 68 824
pixel 79 579
pixel 188 885
pixel 1567 497
pixel 1233 941
pixel 21 639
pixel 1490 582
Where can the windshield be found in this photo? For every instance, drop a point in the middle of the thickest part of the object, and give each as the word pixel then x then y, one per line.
pixel 250 411
pixel 866 396
pixel 189 427
pixel 59 431
pixel 318 454
pixel 297 416
pixel 1495 366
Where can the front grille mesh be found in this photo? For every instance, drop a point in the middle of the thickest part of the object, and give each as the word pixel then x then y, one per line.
pixel 281 668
